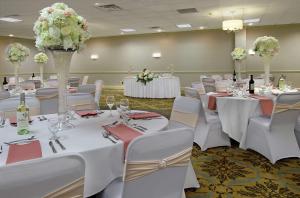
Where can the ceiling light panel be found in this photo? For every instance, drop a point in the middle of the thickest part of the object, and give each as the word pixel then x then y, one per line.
pixel 128 30
pixel 184 25
pixel 10 19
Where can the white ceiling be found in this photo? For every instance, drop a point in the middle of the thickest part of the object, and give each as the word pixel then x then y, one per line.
pixel 142 14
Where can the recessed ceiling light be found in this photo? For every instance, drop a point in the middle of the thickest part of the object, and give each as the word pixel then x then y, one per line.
pixel 10 19
pixel 256 20
pixel 128 30
pixel 159 30
pixel 250 24
pixel 122 33
pixel 183 25
pixel 11 35
pixel 201 27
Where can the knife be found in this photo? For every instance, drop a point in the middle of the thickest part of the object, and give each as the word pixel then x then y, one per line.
pixel 52 147
pixel 60 144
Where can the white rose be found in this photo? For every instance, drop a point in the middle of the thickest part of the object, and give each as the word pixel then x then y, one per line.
pixel 141 76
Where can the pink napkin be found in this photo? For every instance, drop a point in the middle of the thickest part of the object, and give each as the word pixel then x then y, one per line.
pixel 22 152
pixel 72 90
pixel 266 104
pixel 13 120
pixel 144 115
pixel 87 113
pixel 125 133
pixel 212 100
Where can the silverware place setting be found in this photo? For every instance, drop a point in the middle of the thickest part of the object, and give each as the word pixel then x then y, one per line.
pixel 60 144
pixel 52 147
pixel 106 135
pixel 21 140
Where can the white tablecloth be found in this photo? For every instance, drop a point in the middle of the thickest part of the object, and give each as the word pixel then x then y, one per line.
pixel 104 160
pixel 162 87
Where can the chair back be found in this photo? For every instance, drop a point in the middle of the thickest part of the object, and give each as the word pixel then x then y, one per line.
pixel 191 92
pixel 9 106
pixel 87 88
pixel 209 84
pixel 51 83
pixel 286 111
pixel 4 95
pixel 37 83
pixel 199 86
pixel 53 77
pixel 34 178
pixel 217 77
pixel 28 85
pixel 85 80
pixel 222 85
pixel 185 111
pixel 228 76
pixel 160 170
pixel 48 98
pixel 81 101
pixel 99 86
pixel 74 81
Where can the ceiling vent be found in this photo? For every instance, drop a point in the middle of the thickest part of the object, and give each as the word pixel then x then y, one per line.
pixel 108 7
pixel 187 10
pixel 155 27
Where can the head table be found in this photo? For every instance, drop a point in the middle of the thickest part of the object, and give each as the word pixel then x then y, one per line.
pixel 104 159
pixel 161 87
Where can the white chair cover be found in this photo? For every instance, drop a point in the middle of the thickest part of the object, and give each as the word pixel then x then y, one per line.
pixel 297 131
pixel 228 76
pixel 199 86
pixel 99 86
pixel 222 85
pixel 168 180
pixel 4 95
pixel 34 178
pixel 208 132
pixel 53 77
pixel 9 106
pixel 87 88
pixel 274 137
pixel 216 77
pixel 85 80
pixel 48 98
pixel 81 101
pixel 209 84
pixel 51 83
pixel 191 92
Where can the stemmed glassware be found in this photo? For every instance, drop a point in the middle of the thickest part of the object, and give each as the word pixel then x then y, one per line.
pixel 124 106
pixel 53 127
pixel 110 101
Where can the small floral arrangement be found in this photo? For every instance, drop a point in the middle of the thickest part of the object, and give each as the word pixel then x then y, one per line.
pixel 239 54
pixel 60 28
pixel 145 76
pixel 17 52
pixel 266 46
pixel 41 58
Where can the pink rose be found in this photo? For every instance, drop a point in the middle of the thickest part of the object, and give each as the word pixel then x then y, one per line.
pixel 67 14
pixel 50 10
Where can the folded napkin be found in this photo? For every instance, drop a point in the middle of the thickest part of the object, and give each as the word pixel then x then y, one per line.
pixel 266 104
pixel 212 100
pixel 144 115
pixel 87 113
pixel 72 90
pixel 22 152
pixel 125 133
pixel 13 120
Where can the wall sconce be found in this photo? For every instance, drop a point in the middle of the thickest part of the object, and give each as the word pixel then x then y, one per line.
pixel 94 56
pixel 156 55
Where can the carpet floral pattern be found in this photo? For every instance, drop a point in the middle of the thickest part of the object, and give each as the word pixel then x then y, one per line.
pixel 225 172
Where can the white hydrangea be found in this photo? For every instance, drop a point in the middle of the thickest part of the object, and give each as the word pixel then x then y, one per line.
pixel 239 54
pixel 41 58
pixel 17 52
pixel 266 46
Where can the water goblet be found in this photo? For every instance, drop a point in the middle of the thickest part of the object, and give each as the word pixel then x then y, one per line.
pixel 53 126
pixel 110 101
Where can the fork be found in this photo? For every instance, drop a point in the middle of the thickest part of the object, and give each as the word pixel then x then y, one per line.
pixel 105 135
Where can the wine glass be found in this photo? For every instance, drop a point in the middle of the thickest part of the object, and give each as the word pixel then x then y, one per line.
pixel 53 128
pixel 110 101
pixel 124 104
pixel 2 119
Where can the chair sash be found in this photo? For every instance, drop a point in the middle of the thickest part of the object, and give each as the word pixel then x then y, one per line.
pixel 72 190
pixel 285 107
pixel 189 119
pixel 45 97
pixel 137 169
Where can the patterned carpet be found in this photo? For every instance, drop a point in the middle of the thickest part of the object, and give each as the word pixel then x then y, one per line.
pixel 230 172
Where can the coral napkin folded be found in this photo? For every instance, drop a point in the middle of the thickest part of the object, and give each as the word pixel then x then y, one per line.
pixel 72 90
pixel 13 120
pixel 212 100
pixel 266 104
pixel 87 113
pixel 144 115
pixel 125 133
pixel 22 152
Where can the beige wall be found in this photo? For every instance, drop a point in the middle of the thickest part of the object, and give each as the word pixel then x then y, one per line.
pixel 192 53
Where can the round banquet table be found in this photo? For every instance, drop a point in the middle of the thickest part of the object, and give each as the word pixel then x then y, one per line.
pixel 234 114
pixel 104 159
pixel 162 87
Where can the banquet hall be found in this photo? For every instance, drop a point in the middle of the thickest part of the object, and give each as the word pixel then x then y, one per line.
pixel 149 98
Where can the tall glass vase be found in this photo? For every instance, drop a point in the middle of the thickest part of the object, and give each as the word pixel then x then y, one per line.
pixel 238 68
pixel 267 61
pixel 17 80
pixel 62 60
pixel 42 74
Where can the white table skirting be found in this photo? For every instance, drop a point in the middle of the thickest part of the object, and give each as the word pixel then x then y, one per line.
pixel 162 87
pixel 104 160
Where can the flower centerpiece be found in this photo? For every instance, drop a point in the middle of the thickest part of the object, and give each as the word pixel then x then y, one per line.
pixel 41 58
pixel 266 47
pixel 238 55
pixel 62 31
pixel 17 53
pixel 145 76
